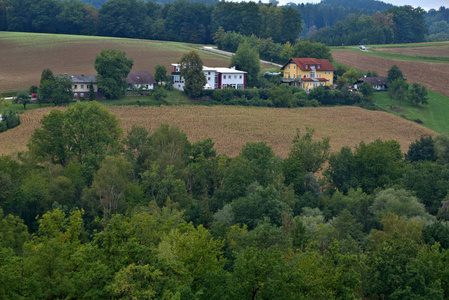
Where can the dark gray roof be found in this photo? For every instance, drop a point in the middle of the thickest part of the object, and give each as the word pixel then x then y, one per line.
pixel 374 80
pixel 140 78
pixel 81 78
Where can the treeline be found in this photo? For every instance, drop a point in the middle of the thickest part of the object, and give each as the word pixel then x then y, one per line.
pixel 438 23
pixel 403 24
pixel 181 21
pixel 329 12
pixel 152 215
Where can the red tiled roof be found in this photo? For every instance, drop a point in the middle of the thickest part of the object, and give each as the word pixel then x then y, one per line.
pixel 305 63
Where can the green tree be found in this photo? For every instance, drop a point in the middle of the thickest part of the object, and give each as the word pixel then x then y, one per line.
pixel 111 184
pixel 57 90
pixel 192 70
pixel 394 73
pixel 22 98
pixel 46 74
pixel 418 94
pixel 308 49
pixel 85 132
pixel 112 67
pixel 306 156
pixel 160 73
pixel 399 202
pixel 246 59
pixel 366 89
pixel 91 92
pixel 422 149
pixel 398 88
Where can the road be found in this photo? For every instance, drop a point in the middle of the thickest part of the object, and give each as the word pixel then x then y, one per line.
pixel 231 54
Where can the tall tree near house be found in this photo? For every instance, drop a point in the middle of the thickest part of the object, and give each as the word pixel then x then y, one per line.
pixel 247 59
pixel 160 73
pixel 46 74
pixel 394 73
pixel 91 92
pixel 192 70
pixel 57 90
pixel 112 67
pixel 22 98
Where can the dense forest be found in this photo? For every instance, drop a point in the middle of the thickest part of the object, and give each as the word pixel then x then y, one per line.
pixel 330 22
pixel 91 212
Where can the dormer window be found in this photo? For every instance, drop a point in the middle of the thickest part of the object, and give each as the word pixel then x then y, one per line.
pixel 307 66
pixel 319 66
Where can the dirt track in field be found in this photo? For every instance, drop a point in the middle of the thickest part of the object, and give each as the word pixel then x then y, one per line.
pixel 231 127
pixel 435 76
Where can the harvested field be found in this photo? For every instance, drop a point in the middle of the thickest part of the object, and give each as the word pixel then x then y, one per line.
pixel 23 56
pixel 442 51
pixel 231 127
pixel 432 75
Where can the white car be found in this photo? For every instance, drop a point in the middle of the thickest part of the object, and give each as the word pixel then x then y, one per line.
pixel 361 47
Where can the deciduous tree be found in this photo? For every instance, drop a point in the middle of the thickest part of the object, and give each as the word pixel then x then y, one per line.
pixel 112 67
pixel 192 70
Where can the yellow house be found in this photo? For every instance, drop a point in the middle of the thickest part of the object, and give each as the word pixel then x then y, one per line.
pixel 308 73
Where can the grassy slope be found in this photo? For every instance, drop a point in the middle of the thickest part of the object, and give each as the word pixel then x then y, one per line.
pixel 434 115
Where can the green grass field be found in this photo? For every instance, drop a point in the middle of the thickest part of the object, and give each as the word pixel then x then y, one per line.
pixel 434 115
pixel 376 50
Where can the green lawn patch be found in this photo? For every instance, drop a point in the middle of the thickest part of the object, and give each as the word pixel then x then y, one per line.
pixel 433 116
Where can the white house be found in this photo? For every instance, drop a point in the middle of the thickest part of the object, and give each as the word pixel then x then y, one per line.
pixel 217 78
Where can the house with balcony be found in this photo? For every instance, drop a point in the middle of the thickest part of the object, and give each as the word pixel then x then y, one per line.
pixel 217 78
pixel 308 73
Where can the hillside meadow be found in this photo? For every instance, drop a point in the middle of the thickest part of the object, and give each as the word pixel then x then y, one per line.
pixel 230 127
pixel 23 56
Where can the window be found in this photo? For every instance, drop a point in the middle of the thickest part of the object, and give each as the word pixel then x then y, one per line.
pixel 224 76
pixel 208 73
pixel 82 86
pixel 294 67
pixel 319 66
pixel 240 86
pixel 87 86
pixel 289 67
pixel 235 76
pixel 294 75
pixel 240 76
pixel 307 66
pixel 208 78
pixel 82 95
pixel 76 86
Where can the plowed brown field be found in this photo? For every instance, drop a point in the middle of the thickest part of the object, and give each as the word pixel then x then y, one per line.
pixel 427 51
pixel 24 56
pixel 231 127
pixel 433 75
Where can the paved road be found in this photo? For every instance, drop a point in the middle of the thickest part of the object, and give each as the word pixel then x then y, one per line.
pixel 231 54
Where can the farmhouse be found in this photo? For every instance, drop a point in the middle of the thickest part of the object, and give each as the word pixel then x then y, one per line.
pixel 378 83
pixel 217 78
pixel 140 80
pixel 81 85
pixel 308 73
